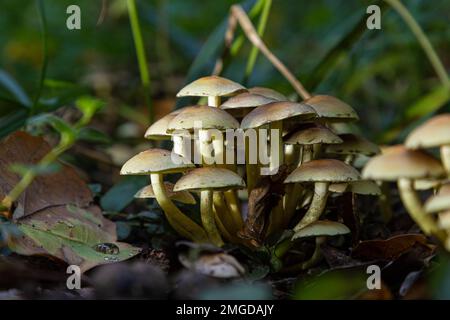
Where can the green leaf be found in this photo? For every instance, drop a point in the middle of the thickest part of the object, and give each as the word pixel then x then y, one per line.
pixel 7 82
pixel 57 123
pixel 88 106
pixel 12 121
pixel 93 135
pixel 122 194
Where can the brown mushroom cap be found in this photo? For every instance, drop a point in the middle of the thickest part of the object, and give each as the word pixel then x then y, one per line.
pixel 276 111
pixel 322 228
pixel 158 130
pixel 180 196
pixel 209 178
pixel 211 86
pixel 331 108
pixel 155 161
pixel 209 118
pixel 433 133
pixel 269 93
pixel 323 170
pixel 353 144
pixel 243 103
pixel 363 187
pixel 312 134
pixel 440 201
pixel 398 162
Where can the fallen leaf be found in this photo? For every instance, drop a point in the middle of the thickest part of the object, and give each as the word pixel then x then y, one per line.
pixel 388 249
pixel 217 265
pixel 59 188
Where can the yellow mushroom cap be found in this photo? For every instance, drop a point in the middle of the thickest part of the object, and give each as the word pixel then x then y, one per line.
pixel 209 178
pixel 155 161
pixel 211 86
pixel 206 117
pixel 364 187
pixel 323 170
pixel 269 93
pixel 276 111
pixel 313 134
pixel 322 228
pixel 433 133
pixel 440 201
pixel 331 108
pixel 353 144
pixel 398 162
pixel 180 196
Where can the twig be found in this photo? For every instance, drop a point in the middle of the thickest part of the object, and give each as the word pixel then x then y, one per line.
pixel 255 39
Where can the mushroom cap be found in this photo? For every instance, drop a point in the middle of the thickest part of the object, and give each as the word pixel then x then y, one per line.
pixel 353 144
pixel 211 86
pixel 322 228
pixel 323 170
pixel 398 162
pixel 243 103
pixel 364 187
pixel 155 161
pixel 440 201
pixel 276 111
pixel 331 108
pixel 206 117
pixel 269 93
pixel 158 130
pixel 313 134
pixel 425 184
pixel 433 133
pixel 181 196
pixel 209 178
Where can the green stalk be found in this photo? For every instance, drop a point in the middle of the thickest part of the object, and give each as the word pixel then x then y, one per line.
pixel 43 18
pixel 423 40
pixel 260 29
pixel 140 53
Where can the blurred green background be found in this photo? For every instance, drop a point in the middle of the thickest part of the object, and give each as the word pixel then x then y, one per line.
pixel 383 73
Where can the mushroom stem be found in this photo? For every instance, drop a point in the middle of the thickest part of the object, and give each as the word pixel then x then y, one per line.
pixel 317 205
pixel 414 206
pixel 445 157
pixel 307 154
pixel 252 171
pixel 277 125
pixel 223 213
pixel 181 223
pixel 317 149
pixel 179 146
pixel 312 261
pixel 349 159
pixel 207 215
pixel 213 101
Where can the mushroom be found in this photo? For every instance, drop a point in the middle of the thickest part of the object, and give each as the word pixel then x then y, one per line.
pixel 156 163
pixel 404 166
pixel 322 172
pixel 308 136
pixel 331 109
pixel 363 187
pixel 206 180
pixel 240 105
pixel 212 87
pixel 433 133
pixel 269 93
pixel 321 230
pixel 181 196
pixel 351 146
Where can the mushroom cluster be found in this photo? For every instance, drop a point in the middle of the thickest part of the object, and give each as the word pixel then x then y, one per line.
pixel 226 149
pixel 414 170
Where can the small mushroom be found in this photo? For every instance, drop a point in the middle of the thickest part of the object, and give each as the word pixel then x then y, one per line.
pixel 269 93
pixel 321 230
pixel 181 196
pixel 404 166
pixel 240 105
pixel 331 109
pixel 212 87
pixel 363 187
pixel 156 163
pixel 433 133
pixel 440 201
pixel 351 146
pixel 206 180
pixel 321 172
